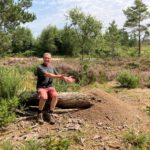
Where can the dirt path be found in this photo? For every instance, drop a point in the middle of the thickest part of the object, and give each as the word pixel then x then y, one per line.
pixel 102 125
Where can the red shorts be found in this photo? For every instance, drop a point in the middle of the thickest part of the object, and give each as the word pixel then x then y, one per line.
pixel 45 93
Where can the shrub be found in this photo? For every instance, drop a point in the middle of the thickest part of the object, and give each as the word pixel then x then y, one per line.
pixel 10 82
pixel 33 145
pixel 57 144
pixel 6 145
pixel 62 86
pixel 128 80
pixel 136 140
pixel 7 110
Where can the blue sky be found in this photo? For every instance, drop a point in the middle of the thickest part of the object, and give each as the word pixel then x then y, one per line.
pixel 52 12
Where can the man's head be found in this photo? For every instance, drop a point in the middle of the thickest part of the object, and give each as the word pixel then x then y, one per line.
pixel 47 58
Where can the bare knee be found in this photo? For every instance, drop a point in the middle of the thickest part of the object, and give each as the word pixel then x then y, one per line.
pixel 43 96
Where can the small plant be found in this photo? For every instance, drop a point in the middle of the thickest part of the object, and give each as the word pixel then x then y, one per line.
pixel 136 140
pixel 33 145
pixel 7 110
pixel 128 80
pixel 62 86
pixel 6 145
pixel 10 82
pixel 76 138
pixel 147 109
pixel 57 144
pixel 63 144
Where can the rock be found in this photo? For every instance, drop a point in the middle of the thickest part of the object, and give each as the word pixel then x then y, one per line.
pixel 100 124
pixel 96 137
pixel 82 141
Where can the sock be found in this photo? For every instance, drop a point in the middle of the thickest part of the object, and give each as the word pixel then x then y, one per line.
pixel 40 111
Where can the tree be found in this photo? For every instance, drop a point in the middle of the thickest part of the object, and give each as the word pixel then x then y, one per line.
pixel 67 42
pixel 112 37
pixel 136 15
pixel 5 43
pixel 124 37
pixel 47 40
pixel 22 40
pixel 12 14
pixel 87 30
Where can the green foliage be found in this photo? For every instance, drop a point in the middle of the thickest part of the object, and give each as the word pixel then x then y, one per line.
pixel 7 108
pixel 76 137
pixel 128 80
pixel 87 28
pixel 136 140
pixel 136 15
pixel 68 42
pixel 10 86
pixel 48 144
pixel 112 37
pixel 62 86
pixel 6 145
pixel 47 39
pixel 33 145
pixel 13 13
pixel 57 144
pixel 10 82
pixel 84 78
pixel 22 40
pixel 5 42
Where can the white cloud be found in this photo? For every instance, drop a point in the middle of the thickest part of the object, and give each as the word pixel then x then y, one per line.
pixel 52 11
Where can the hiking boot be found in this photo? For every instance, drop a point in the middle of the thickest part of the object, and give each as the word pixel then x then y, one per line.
pixel 50 118
pixel 40 118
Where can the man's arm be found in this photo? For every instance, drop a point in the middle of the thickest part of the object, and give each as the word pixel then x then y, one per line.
pixel 60 76
pixel 51 75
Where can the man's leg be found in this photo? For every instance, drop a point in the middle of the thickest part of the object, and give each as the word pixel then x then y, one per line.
pixel 54 99
pixel 43 96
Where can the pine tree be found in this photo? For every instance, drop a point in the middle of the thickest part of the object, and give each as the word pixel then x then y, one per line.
pixel 135 19
pixel 112 37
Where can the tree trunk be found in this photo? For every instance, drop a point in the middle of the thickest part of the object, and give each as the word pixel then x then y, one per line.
pixel 139 36
pixel 65 101
pixel 139 42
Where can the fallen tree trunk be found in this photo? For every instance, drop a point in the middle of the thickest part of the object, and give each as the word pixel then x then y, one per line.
pixel 65 101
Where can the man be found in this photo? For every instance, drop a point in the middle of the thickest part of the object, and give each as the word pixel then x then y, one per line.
pixel 45 75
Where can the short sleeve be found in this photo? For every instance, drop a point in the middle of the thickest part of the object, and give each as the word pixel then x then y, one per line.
pixel 40 71
pixel 55 71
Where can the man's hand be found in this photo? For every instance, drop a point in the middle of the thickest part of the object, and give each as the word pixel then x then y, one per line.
pixel 69 79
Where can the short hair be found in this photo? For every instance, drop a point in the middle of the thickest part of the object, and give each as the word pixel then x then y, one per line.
pixel 47 54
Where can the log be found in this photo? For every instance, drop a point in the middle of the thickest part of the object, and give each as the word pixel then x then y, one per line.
pixel 66 100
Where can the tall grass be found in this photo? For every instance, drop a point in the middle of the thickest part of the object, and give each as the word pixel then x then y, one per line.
pixel 10 85
pixel 7 107
pixel 6 145
pixel 136 141
pixel 10 82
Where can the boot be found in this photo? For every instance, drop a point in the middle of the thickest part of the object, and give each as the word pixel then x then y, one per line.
pixel 40 118
pixel 49 116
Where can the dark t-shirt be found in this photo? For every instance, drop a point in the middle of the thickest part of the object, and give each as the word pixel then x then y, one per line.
pixel 42 81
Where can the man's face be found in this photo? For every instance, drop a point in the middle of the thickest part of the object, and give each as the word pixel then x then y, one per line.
pixel 47 59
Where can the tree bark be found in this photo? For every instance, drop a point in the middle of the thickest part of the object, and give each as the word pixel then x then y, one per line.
pixel 139 36
pixel 65 101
